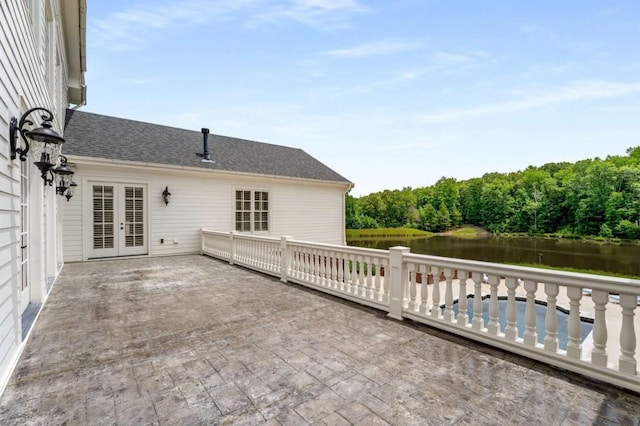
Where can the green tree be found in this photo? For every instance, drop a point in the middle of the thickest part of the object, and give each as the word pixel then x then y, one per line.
pixel 428 218
pixel 595 188
pixel 443 217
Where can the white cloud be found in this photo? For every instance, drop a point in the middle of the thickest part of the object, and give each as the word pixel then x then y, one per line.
pixel 438 62
pixel 322 14
pixel 575 92
pixel 453 58
pixel 128 28
pixel 374 49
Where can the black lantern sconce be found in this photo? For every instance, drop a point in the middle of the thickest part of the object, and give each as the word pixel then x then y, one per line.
pixel 166 195
pixel 71 190
pixel 64 174
pixel 48 143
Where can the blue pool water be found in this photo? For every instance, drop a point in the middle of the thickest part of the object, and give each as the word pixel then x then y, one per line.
pixel 586 325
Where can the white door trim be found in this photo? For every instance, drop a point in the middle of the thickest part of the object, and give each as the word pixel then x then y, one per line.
pixel 24 237
pixel 121 229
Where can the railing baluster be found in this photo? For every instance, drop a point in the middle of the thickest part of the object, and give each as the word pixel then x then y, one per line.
pixel 304 263
pixel 384 281
pixel 551 319
pixel 263 254
pixel 302 259
pixel 308 264
pixel 448 295
pixel 627 360
pixel 338 270
pixel 574 346
pixel 463 318
pixel 300 263
pixel 361 280
pixel 477 322
pixel 321 268
pixel 317 254
pixel 412 286
pixel 315 278
pixel 330 269
pixel 530 334
pixel 511 329
pixel 377 278
pixel 325 267
pixel 599 353
pixel 405 292
pixel 424 295
pixel 353 277
pixel 368 278
pixel 493 327
pixel 435 294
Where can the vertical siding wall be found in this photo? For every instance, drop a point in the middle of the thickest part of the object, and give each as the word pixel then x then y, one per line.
pixel 303 210
pixel 23 59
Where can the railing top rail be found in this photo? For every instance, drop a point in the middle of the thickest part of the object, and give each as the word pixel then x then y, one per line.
pixel 577 279
pixel 573 279
pixel 210 232
pixel 240 235
pixel 340 248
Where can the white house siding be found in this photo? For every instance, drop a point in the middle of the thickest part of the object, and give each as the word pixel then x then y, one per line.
pixel 24 85
pixel 309 212
pixel 302 209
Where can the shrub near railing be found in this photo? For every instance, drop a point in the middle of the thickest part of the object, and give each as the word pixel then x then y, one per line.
pixel 394 281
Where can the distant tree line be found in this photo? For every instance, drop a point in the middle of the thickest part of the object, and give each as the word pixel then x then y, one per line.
pixel 591 197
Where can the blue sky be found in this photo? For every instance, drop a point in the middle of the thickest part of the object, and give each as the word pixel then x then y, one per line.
pixel 387 93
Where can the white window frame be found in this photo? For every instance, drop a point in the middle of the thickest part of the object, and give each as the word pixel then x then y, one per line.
pixel 255 213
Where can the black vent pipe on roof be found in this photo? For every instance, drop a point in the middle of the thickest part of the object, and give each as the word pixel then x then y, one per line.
pixel 206 156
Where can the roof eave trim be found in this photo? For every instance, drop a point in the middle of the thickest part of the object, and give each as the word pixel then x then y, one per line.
pixel 161 167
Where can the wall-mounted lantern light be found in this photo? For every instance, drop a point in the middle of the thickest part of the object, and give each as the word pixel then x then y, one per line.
pixel 71 190
pixel 64 174
pixel 166 195
pixel 47 142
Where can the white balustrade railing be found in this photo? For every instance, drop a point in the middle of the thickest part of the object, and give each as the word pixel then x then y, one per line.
pixel 477 300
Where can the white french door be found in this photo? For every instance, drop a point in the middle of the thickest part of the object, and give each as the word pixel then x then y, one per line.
pixel 118 217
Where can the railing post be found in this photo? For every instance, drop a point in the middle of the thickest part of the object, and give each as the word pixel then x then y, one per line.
pixel 201 241
pixel 232 247
pixel 285 258
pixel 397 281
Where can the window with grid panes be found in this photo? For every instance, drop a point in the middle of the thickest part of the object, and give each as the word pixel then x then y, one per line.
pixel 252 211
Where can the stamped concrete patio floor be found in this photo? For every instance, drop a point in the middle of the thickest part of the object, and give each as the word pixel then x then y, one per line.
pixel 192 340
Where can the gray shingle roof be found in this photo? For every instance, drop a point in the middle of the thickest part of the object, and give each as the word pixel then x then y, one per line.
pixel 100 136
